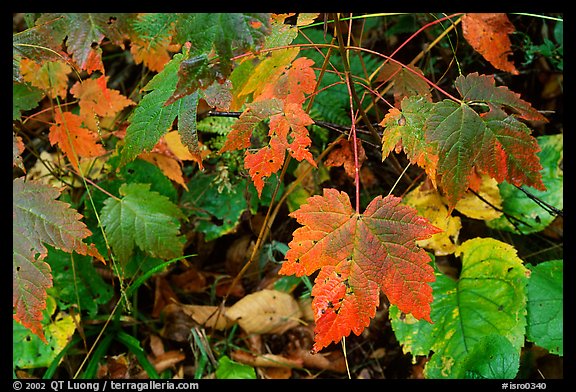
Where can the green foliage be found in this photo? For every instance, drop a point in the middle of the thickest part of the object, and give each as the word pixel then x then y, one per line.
pixel 228 368
pixel 533 216
pixel 333 104
pixel 546 306
pixel 24 97
pixel 489 298
pixel 216 212
pixel 77 283
pixel 29 351
pixel 151 119
pixel 143 218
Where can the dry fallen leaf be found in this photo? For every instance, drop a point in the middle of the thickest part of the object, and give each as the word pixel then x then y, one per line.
pixel 473 207
pixel 266 311
pixel 208 316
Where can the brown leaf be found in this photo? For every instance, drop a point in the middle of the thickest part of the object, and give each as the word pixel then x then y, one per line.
pixel 190 281
pixel 177 324
pixel 265 360
pixel 167 360
pixel 163 296
pixel 343 155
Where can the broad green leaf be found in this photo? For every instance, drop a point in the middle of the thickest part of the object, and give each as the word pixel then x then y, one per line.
pixel 546 306
pixel 76 282
pixel 516 203
pixel 218 213
pixel 488 298
pixel 229 369
pixel 29 352
pixel 151 119
pixel 24 97
pixel 492 357
pixel 137 171
pixel 142 218
pixel 38 220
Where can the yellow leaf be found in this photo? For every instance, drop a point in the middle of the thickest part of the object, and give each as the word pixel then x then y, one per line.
pixel 473 207
pixel 428 203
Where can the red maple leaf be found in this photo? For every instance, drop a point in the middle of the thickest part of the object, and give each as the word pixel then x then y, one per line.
pixel 280 101
pixel 358 255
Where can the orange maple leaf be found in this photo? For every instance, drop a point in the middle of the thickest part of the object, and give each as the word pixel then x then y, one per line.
pixel 155 57
pixel 488 35
pixel 74 140
pixel 264 162
pixel 281 101
pixel 95 98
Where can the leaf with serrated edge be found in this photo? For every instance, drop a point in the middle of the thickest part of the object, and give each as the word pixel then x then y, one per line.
pixel 488 298
pixel 358 254
pixel 39 219
pixel 143 218
pixel 151 119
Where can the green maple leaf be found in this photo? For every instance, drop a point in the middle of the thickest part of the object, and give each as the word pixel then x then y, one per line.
pixel 465 137
pixel 145 219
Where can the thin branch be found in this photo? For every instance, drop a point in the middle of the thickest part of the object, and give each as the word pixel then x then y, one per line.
pixel 549 208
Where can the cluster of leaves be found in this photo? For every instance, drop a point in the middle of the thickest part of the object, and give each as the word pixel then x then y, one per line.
pixel 254 64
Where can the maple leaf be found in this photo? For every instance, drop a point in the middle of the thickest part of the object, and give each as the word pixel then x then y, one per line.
pixel 358 255
pixel 495 143
pixel 143 218
pixel 226 33
pixel 264 162
pixel 74 140
pixel 85 32
pixel 95 98
pixel 151 40
pixel 254 114
pixel 488 35
pixel 281 101
pixel 32 43
pixel 453 142
pixel 39 219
